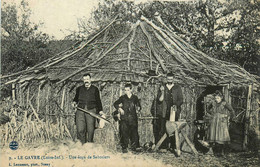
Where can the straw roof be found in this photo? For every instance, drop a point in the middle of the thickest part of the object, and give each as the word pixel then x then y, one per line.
pixel 130 52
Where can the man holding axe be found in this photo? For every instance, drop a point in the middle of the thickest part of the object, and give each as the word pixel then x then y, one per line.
pixel 88 103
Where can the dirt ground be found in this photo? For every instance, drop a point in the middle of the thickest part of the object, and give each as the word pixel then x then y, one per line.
pixel 72 154
pixel 244 159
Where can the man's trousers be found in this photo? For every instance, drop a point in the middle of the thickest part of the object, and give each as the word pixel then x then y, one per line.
pixel 128 131
pixel 85 126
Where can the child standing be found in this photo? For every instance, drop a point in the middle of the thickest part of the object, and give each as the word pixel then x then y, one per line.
pixel 127 107
pixel 219 114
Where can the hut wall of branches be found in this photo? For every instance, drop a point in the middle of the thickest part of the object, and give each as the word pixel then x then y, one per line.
pixel 53 103
pixel 141 53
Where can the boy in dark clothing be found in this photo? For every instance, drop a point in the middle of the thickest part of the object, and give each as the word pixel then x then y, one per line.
pixel 127 107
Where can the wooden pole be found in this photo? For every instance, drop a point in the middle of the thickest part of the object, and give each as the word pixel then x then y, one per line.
pixel 111 99
pixel 248 109
pixel 20 95
pixel 151 46
pixel 120 94
pixel 177 141
pixel 193 113
pixel 62 107
pixel 23 96
pixel 38 98
pixel 160 142
pixel 28 97
pixel 13 92
pixel 63 97
pixel 193 103
pixel 47 102
pixel 189 143
pixel 130 48
pixel 34 112
pixel 14 97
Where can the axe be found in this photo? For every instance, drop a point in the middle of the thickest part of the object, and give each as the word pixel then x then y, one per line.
pixel 94 115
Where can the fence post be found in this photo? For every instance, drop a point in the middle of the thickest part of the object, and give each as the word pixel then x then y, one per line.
pixel 248 109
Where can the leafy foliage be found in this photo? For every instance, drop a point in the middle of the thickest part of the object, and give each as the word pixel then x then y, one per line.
pixel 22 44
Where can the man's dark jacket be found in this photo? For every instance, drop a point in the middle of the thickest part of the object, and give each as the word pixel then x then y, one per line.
pixel 129 105
pixel 174 97
pixel 89 97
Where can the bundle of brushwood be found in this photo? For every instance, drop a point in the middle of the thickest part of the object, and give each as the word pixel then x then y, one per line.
pixel 26 128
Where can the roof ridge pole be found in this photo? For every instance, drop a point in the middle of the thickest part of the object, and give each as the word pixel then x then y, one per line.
pixel 89 41
pixel 171 50
pixel 165 35
pixel 178 45
pixel 194 49
pixel 151 46
pixel 130 43
pixel 180 59
pixel 191 47
pixel 173 42
pixel 171 33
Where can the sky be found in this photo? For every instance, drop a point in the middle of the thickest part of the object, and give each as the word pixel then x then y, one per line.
pixel 60 16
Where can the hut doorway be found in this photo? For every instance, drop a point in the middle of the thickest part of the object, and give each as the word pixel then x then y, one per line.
pixel 202 100
pixel 201 109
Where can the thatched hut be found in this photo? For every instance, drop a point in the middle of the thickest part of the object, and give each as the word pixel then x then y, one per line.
pixel 141 53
